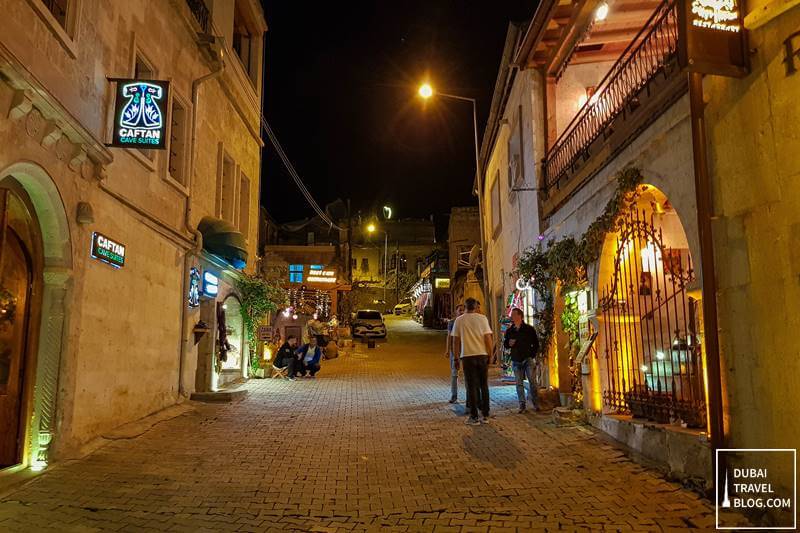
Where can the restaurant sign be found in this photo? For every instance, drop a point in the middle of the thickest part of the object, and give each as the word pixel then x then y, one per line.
pixel 317 275
pixel 140 119
pixel 107 250
pixel 712 37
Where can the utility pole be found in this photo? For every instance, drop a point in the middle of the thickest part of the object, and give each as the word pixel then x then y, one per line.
pixel 397 273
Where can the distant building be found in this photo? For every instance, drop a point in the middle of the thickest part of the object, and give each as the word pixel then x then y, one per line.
pixel 464 243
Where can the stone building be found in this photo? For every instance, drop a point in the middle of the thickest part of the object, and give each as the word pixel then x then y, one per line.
pixel 510 152
pixel 601 96
pixel 753 129
pixel 463 246
pixel 91 346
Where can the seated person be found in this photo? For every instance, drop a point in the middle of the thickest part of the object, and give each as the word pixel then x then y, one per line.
pixel 286 356
pixel 310 355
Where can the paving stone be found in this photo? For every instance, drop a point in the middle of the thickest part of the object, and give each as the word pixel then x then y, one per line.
pixel 370 445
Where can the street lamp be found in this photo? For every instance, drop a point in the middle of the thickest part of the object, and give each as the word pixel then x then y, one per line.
pixel 371 229
pixel 426 91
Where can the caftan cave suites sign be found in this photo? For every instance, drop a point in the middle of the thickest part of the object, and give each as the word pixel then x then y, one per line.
pixel 140 114
pixel 108 250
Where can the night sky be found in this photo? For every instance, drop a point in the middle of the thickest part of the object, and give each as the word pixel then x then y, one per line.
pixel 340 94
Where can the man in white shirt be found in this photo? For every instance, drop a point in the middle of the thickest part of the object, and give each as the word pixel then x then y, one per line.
pixel 472 339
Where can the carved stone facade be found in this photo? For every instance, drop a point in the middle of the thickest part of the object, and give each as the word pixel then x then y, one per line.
pixel 115 344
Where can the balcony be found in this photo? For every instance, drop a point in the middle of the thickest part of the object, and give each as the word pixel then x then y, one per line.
pixel 639 87
pixel 201 14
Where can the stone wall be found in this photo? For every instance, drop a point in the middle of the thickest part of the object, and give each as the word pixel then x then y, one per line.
pixel 122 332
pixel 753 128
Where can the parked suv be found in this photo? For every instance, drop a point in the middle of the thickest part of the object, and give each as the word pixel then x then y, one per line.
pixel 369 323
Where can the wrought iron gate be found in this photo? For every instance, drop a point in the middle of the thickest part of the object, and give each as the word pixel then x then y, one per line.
pixel 652 352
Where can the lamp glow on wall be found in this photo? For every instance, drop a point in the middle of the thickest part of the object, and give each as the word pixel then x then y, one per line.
pixel 601 13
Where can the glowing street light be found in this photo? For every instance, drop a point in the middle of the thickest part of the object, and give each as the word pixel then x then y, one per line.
pixel 387 212
pixel 425 90
pixel 371 228
pixel 601 13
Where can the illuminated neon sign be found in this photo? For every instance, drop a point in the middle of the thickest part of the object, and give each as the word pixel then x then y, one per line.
pixel 140 119
pixel 321 276
pixel 720 15
pixel 210 284
pixel 107 250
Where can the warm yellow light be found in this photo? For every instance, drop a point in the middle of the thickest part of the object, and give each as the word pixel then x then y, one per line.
pixel 601 13
pixel 371 228
pixel 425 90
pixel 267 353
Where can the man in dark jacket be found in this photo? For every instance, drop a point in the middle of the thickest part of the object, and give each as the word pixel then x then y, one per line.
pixel 286 356
pixel 523 342
pixel 309 357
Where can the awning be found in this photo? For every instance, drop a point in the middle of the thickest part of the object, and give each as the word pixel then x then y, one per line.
pixel 222 239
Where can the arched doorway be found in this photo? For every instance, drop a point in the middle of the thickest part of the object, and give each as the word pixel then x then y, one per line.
pixel 232 359
pixel 37 224
pixel 649 317
pixel 20 288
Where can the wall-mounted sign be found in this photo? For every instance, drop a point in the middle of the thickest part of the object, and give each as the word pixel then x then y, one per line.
pixel 140 118
pixel 792 44
pixel 442 283
pixel 321 276
pixel 264 333
pixel 107 250
pixel 210 284
pixel 712 37
pixel 194 287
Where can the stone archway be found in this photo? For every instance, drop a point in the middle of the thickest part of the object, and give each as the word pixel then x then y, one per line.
pixel 650 354
pixel 48 210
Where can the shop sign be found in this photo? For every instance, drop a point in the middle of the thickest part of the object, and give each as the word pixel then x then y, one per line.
pixel 321 276
pixel 442 283
pixel 140 119
pixel 210 284
pixel 264 333
pixel 194 287
pixel 107 250
pixel 712 37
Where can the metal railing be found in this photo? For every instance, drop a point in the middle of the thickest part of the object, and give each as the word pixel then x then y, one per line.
pixel 652 48
pixel 201 14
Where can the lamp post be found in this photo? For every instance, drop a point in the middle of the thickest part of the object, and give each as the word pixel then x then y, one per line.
pixel 426 91
pixel 371 229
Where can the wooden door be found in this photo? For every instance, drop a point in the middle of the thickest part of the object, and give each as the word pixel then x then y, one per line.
pixel 16 277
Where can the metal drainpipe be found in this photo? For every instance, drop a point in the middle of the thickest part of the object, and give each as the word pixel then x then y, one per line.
pixel 716 426
pixel 198 237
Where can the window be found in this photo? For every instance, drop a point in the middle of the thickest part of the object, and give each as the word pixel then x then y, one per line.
pixel 369 315
pixel 143 70
pixel 516 172
pixel 364 264
pixel 354 263
pixel 244 205
pixel 495 198
pixel 177 142
pixel 58 8
pixel 226 192
pixel 295 273
pixel 244 44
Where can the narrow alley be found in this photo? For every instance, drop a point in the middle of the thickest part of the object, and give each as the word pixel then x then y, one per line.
pixel 370 444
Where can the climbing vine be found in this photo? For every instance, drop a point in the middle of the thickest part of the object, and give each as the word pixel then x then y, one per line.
pixel 565 260
pixel 258 297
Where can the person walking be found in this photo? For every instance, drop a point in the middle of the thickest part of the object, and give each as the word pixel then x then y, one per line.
pixel 454 359
pixel 472 340
pixel 523 342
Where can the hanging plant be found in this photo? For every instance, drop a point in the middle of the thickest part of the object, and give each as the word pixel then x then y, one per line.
pixel 566 260
pixel 258 298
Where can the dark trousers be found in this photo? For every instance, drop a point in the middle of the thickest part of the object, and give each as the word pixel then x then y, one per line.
pixel 476 374
pixel 291 363
pixel 308 367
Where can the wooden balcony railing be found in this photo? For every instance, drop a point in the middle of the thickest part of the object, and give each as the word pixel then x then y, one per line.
pixel 653 48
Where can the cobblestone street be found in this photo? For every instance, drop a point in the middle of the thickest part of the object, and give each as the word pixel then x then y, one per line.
pixel 370 444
